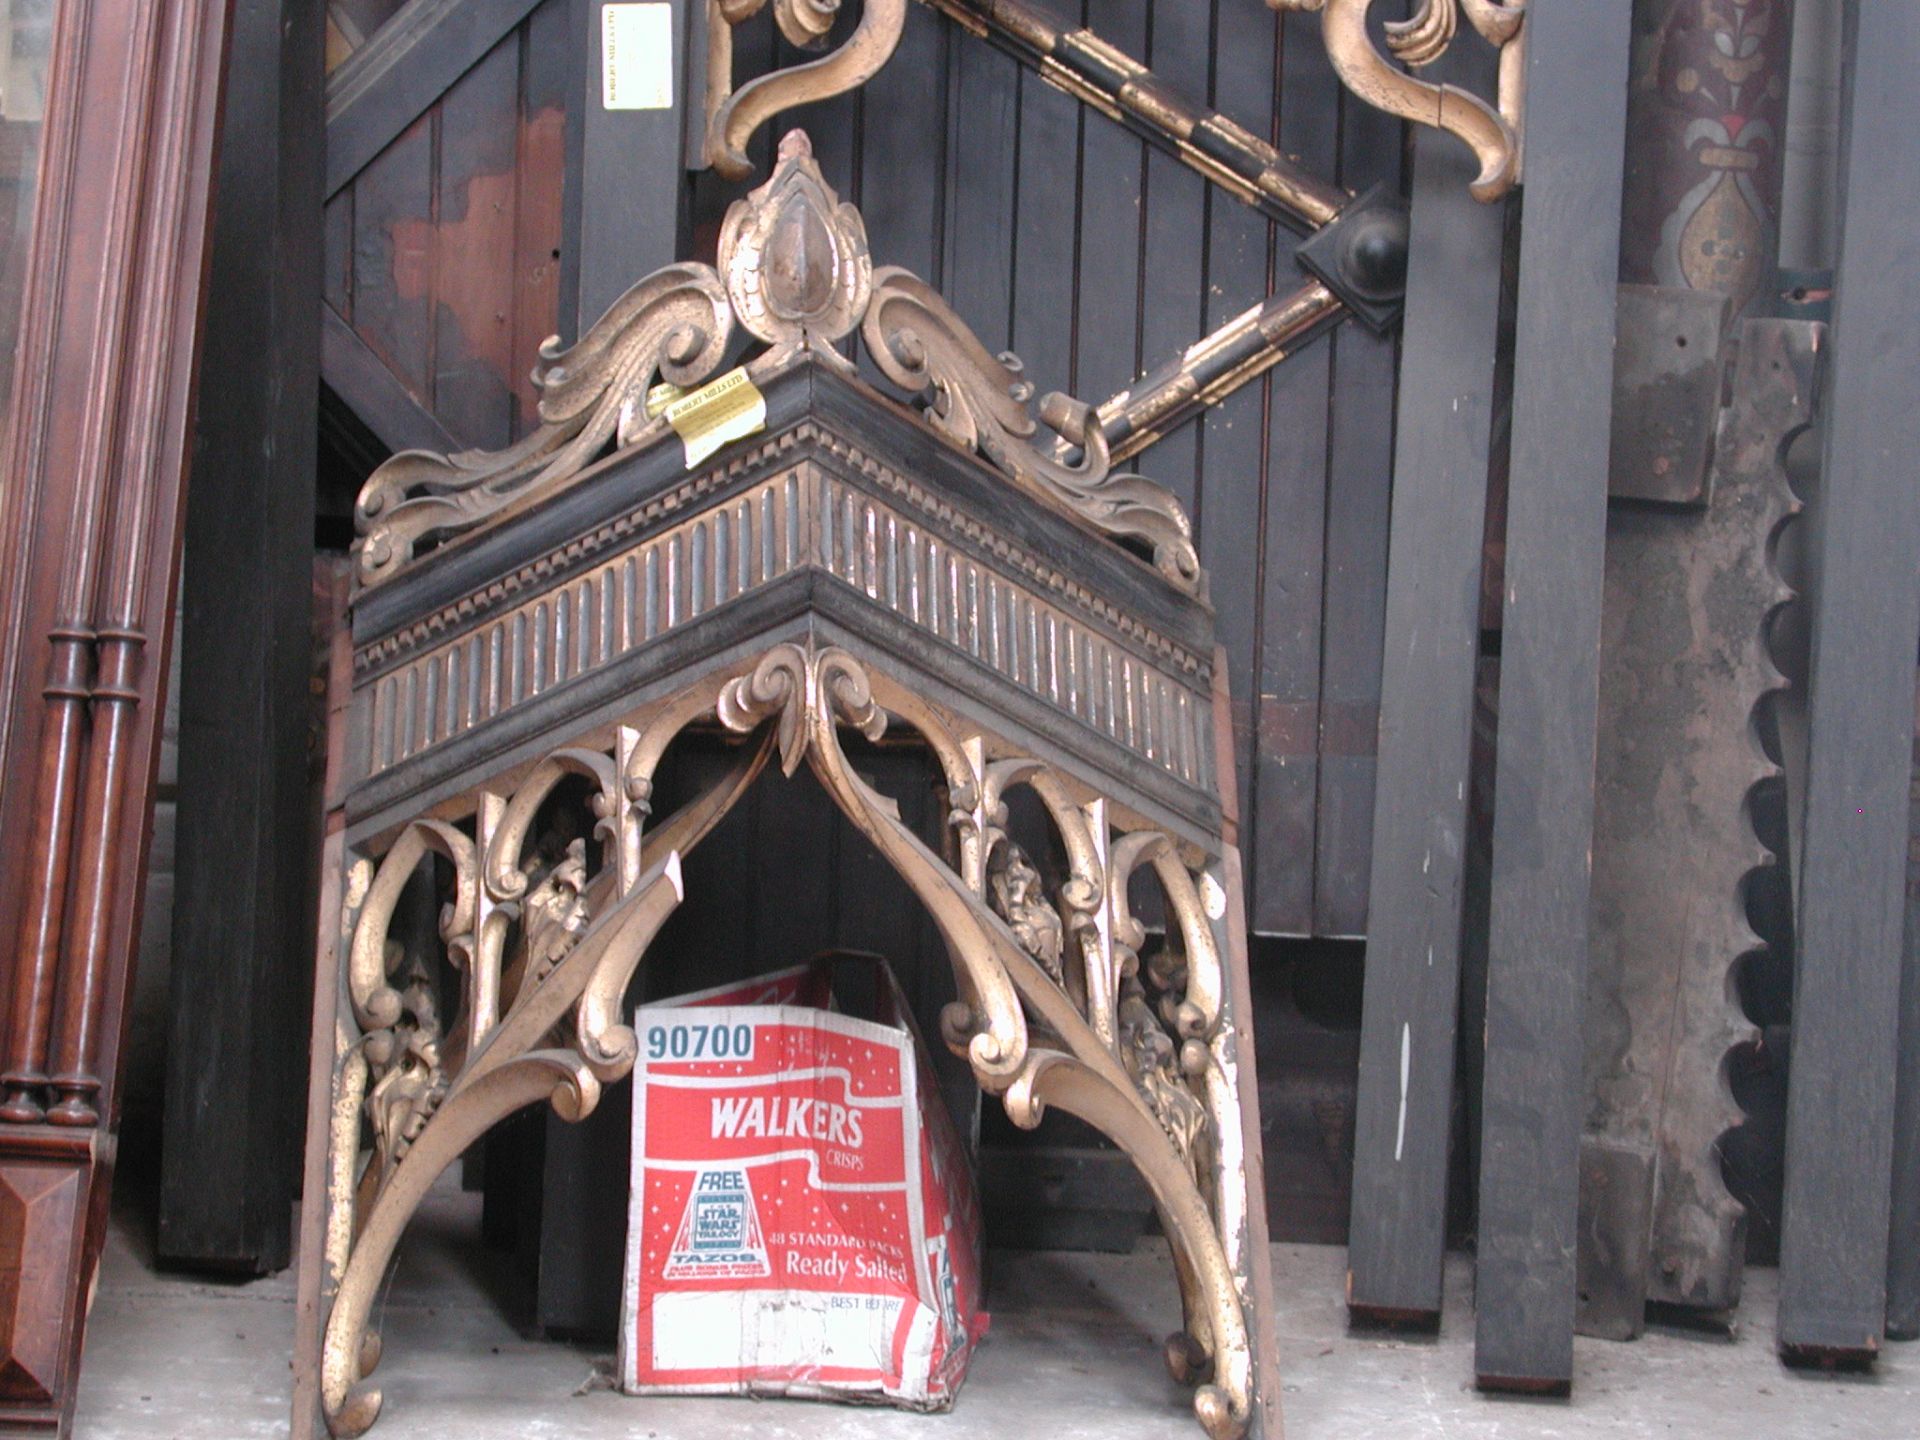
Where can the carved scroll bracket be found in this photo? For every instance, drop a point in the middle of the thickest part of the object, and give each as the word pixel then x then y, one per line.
pixel 795 273
pixel 733 115
pixel 1065 999
pixel 1494 133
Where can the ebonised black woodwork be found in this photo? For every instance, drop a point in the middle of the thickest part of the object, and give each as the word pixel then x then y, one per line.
pixel 1864 534
pixel 1404 1110
pixel 1543 812
pixel 237 998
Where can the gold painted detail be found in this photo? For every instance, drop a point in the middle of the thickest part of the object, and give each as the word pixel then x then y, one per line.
pixel 795 273
pixel 926 506
pixel 1494 133
pixel 550 881
pixel 1073 656
pixel 733 115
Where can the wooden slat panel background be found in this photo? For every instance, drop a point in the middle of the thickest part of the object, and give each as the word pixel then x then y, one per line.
pixel 443 254
pixel 1055 233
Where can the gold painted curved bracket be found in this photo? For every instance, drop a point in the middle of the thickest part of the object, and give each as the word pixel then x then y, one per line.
pixel 1495 134
pixel 733 115
pixel 1061 1001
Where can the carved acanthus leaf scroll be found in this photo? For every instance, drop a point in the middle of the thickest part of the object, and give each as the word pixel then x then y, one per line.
pixel 796 275
pixel 1493 133
pixel 982 402
pixel 675 325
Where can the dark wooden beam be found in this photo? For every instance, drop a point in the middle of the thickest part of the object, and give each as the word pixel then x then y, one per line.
pixel 236 992
pixel 410 62
pixel 1404 1111
pixel 1866 620
pixel 1549 678
pixel 1903 1244
pixel 370 389
pixel 626 183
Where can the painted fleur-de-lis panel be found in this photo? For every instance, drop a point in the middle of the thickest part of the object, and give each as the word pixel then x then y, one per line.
pixel 1709 89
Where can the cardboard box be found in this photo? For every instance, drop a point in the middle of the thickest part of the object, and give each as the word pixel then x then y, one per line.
pixel 802 1218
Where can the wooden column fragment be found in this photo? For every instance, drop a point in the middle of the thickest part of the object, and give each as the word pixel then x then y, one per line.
pixel 1865 533
pixel 1404 1111
pixel 237 984
pixel 1543 783
pixel 89 524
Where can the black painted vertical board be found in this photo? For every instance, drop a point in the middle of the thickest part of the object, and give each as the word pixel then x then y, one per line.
pixel 1173 275
pixel 903 148
pixel 1403 1113
pixel 983 133
pixel 902 171
pixel 1864 539
pixel 1044 233
pixel 230 1159
pixel 1360 480
pixel 1234 491
pixel 626 181
pixel 627 210
pixel 1277 832
pixel 1107 277
pixel 1549 680
pixel 1903 1243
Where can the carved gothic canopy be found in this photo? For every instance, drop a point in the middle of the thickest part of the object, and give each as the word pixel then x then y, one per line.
pixel 794 273
pixel 781 557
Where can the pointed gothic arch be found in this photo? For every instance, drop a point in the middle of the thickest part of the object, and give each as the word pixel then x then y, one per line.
pixel 546 951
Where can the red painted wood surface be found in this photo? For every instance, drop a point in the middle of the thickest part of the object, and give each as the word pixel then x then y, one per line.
pixel 443 254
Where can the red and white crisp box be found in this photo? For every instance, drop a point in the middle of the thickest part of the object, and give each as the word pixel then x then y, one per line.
pixel 802 1215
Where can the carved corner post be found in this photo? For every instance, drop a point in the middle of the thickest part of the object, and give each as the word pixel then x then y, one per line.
pixel 101 407
pixel 533 629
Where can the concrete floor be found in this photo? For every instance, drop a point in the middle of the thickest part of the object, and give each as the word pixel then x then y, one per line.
pixel 1074 1352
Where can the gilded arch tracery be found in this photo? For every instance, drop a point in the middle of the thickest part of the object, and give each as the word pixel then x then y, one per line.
pixel 545 948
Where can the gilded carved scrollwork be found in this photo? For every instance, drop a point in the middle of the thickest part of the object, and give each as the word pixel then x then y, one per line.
pixel 675 324
pixel 733 115
pixel 981 402
pixel 795 273
pixel 1057 1006
pixel 1493 131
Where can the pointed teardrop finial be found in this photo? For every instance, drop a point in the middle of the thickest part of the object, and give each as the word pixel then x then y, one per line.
pixel 794 257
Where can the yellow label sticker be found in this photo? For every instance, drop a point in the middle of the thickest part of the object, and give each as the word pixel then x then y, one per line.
pixel 718 412
pixel 636 56
pixel 661 396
